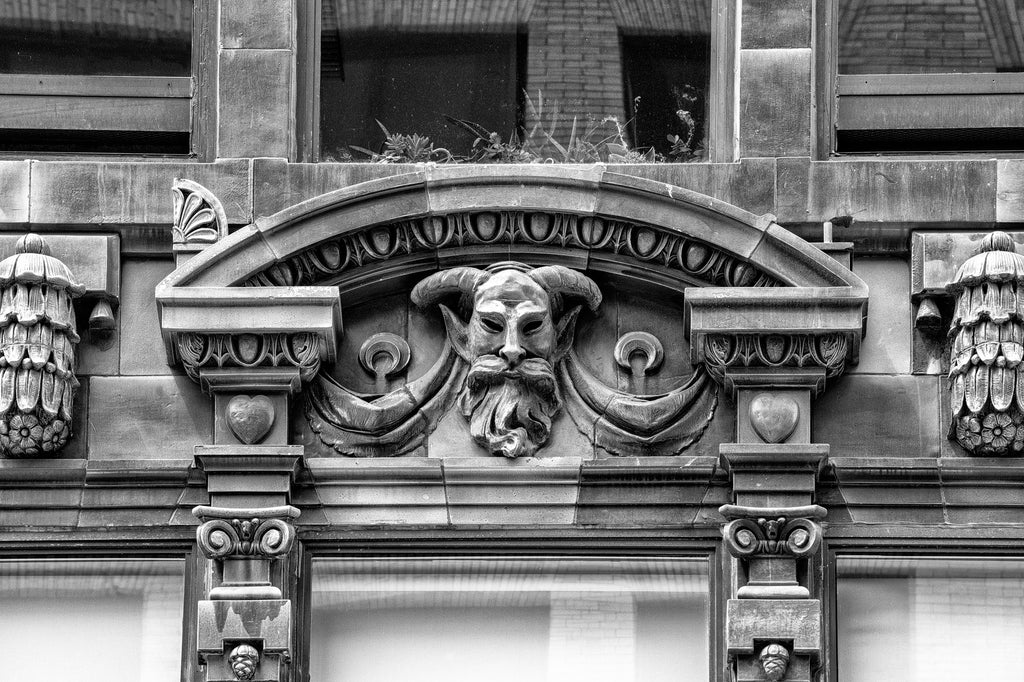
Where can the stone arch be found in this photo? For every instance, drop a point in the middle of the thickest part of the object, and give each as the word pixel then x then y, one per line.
pixel 596 201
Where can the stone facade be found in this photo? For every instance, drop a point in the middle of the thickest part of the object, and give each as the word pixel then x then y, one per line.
pixel 283 361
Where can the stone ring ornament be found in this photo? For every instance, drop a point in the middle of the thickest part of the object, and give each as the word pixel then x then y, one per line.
pixel 384 354
pixel 509 367
pixel 643 343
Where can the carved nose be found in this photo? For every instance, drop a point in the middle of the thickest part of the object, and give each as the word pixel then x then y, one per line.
pixel 512 352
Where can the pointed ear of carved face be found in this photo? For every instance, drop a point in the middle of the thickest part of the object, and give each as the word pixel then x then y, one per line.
pixel 458 333
pixel 566 334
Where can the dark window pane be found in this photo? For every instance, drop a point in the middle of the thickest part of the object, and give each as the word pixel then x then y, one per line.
pixel 910 36
pixel 559 78
pixel 96 37
pixel 508 620
pixel 930 620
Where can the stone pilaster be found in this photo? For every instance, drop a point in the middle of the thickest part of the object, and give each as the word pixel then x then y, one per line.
pixel 256 78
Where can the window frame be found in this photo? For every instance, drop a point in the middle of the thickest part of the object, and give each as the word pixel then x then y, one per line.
pixel 195 581
pixel 722 133
pixel 505 543
pixel 865 99
pixel 146 104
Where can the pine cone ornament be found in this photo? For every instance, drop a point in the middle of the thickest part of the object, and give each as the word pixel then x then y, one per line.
pixel 244 658
pixel 774 660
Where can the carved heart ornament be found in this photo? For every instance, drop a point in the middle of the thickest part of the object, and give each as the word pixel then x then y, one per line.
pixel 250 418
pixel 774 417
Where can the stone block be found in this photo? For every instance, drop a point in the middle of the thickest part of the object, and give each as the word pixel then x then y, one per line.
pixel 749 621
pixel 863 491
pixel 278 184
pixel 885 348
pixel 774 24
pixel 14 188
pixel 255 103
pixel 156 417
pixel 380 491
pixel 888 191
pixel 643 491
pixel 775 102
pixel 135 194
pixel 257 24
pixel 1009 190
pixel 139 325
pixel 899 413
pixel 528 491
pixel 240 620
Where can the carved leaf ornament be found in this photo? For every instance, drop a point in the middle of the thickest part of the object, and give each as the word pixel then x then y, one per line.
pixel 37 355
pixel 987 347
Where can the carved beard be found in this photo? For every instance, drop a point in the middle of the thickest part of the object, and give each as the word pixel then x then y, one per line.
pixel 510 409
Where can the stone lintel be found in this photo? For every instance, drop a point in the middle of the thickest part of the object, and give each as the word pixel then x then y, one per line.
pixel 249 475
pixel 250 380
pixel 494 491
pixel 225 621
pixel 750 622
pixel 766 474
pixel 773 310
pixel 774 378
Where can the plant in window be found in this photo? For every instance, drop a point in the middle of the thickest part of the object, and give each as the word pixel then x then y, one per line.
pixel 401 148
pixel 686 147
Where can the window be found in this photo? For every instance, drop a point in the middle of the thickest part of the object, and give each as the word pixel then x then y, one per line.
pixel 508 620
pixel 934 620
pixel 92 621
pixel 95 76
pixel 930 76
pixel 567 81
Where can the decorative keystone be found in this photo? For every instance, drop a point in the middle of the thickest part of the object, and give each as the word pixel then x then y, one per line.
pixel 37 350
pixel 987 348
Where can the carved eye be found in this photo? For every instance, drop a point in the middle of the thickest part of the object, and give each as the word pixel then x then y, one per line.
pixel 532 327
pixel 492 325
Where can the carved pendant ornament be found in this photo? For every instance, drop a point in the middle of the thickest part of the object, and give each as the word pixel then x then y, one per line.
pixel 509 368
pixel 37 350
pixel 987 337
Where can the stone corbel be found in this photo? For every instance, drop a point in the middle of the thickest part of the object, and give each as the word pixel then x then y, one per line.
pixel 774 349
pixel 244 624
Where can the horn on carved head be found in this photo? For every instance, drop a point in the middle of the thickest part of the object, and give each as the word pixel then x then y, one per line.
pixel 440 285
pixel 560 281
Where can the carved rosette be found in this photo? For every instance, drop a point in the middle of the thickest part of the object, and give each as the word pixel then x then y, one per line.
pixel 781 531
pixel 37 350
pixel 987 347
pixel 225 532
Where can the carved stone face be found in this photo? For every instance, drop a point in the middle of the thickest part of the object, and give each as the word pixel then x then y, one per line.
pixel 511 319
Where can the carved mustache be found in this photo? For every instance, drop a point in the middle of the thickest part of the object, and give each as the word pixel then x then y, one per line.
pixel 489 370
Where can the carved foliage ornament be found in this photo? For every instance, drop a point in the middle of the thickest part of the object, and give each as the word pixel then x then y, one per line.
pixel 301 350
pixel 37 350
pixel 508 364
pixel 244 659
pixel 692 260
pixel 199 218
pixel 827 351
pixel 987 337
